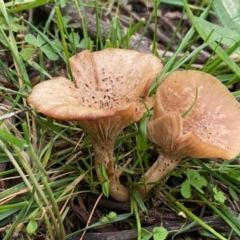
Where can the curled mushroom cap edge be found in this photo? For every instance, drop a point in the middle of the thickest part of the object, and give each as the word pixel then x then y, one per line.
pixel 211 129
pixel 105 97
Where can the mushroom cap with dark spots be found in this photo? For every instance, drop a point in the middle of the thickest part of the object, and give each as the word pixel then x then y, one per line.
pixel 108 91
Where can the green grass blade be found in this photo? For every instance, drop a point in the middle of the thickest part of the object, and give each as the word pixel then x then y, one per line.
pixel 214 46
pixel 223 14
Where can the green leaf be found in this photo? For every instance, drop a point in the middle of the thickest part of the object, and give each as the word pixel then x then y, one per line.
pixel 65 20
pixel 8 137
pixel 47 49
pixel 218 195
pixel 230 215
pixel 39 68
pixel 56 46
pixel 103 219
pixel 26 5
pixel 105 189
pixel 4 26
pixel 186 189
pixel 236 94
pixel 234 176
pixel 82 44
pixel 233 193
pixel 159 233
pixel 228 13
pixel 120 217
pixel 32 226
pixel 142 136
pixel 72 185
pixel 27 53
pixel 206 234
pixel 103 172
pixel 31 39
pixel 220 34
pixel 196 180
pixel 62 3
pixel 17 27
pixel 8 212
pixel 40 40
pixel 131 31
pixel 193 180
pixel 220 52
pixel 74 38
pixel 112 215
pixel 105 184
pixel 108 44
pixel 2 20
pixel 135 194
pixel 145 234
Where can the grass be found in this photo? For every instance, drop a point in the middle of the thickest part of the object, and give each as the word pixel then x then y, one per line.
pixel 45 165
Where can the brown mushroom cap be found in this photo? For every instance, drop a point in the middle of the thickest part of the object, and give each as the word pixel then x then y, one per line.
pixel 212 126
pixel 107 83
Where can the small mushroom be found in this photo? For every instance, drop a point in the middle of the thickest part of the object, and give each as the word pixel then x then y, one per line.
pixel 106 96
pixel 194 115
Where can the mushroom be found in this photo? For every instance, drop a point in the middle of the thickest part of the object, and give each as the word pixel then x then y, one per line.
pixel 194 115
pixel 106 96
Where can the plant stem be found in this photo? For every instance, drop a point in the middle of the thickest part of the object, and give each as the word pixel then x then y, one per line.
pixel 103 155
pixel 29 185
pixel 138 221
pixel 192 216
pixel 222 215
pixel 163 165
pixel 54 206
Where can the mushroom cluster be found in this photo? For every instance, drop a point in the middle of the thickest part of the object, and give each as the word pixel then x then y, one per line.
pixel 107 95
pixel 194 115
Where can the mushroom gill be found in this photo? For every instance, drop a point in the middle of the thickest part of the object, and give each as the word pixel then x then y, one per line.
pixel 194 115
pixel 106 96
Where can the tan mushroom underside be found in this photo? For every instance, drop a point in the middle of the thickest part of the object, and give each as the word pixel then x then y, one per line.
pixel 175 143
pixel 213 124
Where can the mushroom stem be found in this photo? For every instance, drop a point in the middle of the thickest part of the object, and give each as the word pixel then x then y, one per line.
pixel 103 155
pixel 163 165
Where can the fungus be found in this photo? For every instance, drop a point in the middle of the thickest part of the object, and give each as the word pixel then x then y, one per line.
pixel 106 96
pixel 194 116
